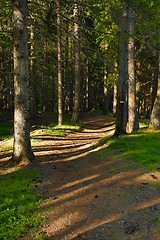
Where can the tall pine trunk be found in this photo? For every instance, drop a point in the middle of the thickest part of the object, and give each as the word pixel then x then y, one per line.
pixel 155 82
pixel 22 151
pixel 33 109
pixel 121 110
pixel 155 115
pixel 60 117
pixel 75 115
pixel 132 111
pixel 87 85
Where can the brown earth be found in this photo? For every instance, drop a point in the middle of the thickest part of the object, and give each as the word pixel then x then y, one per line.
pixel 89 195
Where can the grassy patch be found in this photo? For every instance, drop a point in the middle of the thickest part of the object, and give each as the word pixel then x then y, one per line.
pixel 71 127
pixel 19 218
pixel 54 132
pixel 67 125
pixel 53 129
pixel 142 147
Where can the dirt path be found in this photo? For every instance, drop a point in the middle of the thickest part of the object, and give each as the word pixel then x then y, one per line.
pixel 90 196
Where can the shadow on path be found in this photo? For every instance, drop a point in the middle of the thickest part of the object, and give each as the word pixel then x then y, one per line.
pixel 88 195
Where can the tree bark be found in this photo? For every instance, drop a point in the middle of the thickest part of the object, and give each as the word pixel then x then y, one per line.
pixel 155 82
pixel 121 110
pixel 114 98
pixel 155 115
pixel 33 109
pixel 75 115
pixel 87 86
pixel 60 114
pixel 106 102
pixel 22 151
pixel 132 111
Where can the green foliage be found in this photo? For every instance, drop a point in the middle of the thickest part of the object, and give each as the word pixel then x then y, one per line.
pixel 19 218
pixel 142 147
pixel 5 130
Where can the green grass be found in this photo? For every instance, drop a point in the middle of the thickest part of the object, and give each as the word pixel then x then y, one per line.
pixel 53 129
pixel 142 147
pixel 5 130
pixel 19 218
pixel 67 124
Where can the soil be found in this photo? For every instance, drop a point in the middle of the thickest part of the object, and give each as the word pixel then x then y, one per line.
pixel 89 195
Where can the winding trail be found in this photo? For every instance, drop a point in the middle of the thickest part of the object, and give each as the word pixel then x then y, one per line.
pixel 89 195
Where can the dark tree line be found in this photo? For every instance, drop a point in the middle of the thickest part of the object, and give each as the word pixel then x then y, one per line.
pixel 68 56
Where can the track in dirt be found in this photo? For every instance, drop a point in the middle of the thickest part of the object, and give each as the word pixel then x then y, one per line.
pixel 89 196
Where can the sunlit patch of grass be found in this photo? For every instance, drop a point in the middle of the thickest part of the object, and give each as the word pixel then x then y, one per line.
pixel 143 123
pixel 54 132
pixel 68 127
pixel 59 130
pixel 142 147
pixel 20 216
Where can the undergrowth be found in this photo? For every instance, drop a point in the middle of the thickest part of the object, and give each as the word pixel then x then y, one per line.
pixel 20 215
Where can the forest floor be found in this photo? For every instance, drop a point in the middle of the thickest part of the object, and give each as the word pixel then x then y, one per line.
pixel 91 195
pixel 88 195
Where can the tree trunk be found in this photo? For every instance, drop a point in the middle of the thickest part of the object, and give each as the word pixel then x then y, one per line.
pixel 75 115
pixel 22 151
pixel 87 86
pixel 121 110
pixel 60 114
pixel 155 115
pixel 114 99
pixel 106 92
pixel 33 109
pixel 132 111
pixel 155 82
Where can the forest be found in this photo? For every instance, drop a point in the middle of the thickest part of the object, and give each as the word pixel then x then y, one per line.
pixel 76 77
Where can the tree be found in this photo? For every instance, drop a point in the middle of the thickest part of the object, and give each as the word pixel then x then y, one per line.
pixel 22 151
pixel 121 111
pixel 59 64
pixel 132 110
pixel 98 43
pixel 75 115
pixel 155 116
pixel 33 110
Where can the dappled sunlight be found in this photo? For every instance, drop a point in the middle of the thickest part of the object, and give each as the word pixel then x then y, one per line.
pixel 87 192
pixel 147 204
pixel 71 184
pixel 75 202
pixel 73 211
